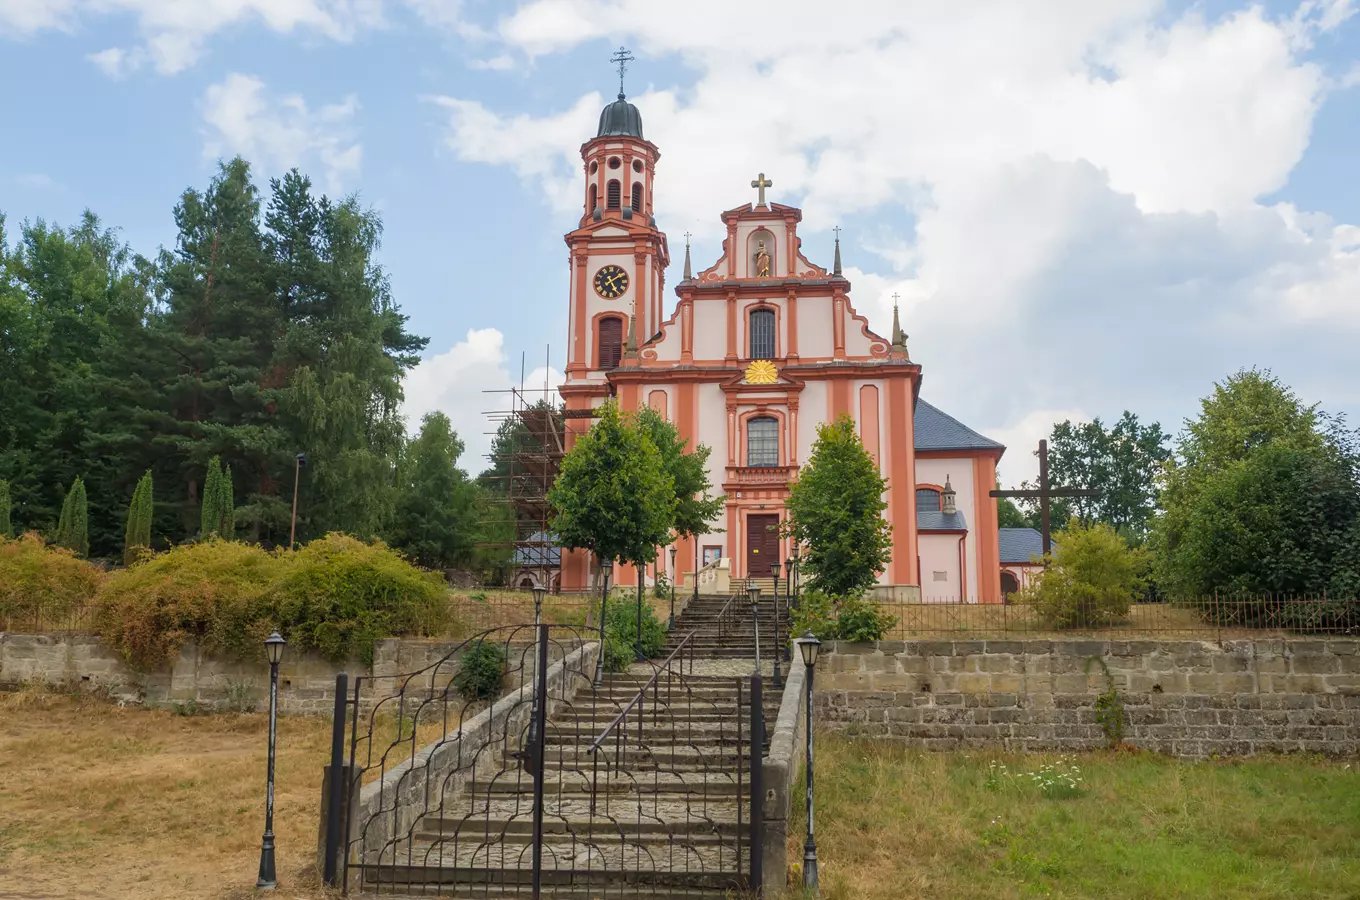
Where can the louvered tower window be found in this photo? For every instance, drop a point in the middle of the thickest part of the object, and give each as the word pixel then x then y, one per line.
pixel 637 197
pixel 611 341
pixel 613 193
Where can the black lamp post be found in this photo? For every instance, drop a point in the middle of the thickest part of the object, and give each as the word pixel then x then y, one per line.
pixel 788 605
pixel 539 591
pixel 809 646
pixel 268 880
pixel 670 626
pixel 797 570
pixel 778 651
pixel 753 597
pixel 606 568
pixel 695 596
pixel 637 647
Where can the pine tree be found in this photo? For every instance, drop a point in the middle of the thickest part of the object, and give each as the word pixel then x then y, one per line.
pixel 73 528
pixel 137 541
pixel 6 528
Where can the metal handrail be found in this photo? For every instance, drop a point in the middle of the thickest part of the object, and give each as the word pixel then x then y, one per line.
pixel 642 692
pixel 723 615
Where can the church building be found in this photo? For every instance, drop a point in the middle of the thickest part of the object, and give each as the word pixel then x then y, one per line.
pixel 758 349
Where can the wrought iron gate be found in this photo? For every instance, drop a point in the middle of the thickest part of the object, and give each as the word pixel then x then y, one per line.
pixel 563 786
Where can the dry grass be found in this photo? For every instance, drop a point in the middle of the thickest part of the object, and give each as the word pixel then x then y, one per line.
pixel 968 621
pixel 100 802
pixel 894 824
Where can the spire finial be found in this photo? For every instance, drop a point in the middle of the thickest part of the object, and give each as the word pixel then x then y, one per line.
pixel 621 58
pixel 689 274
pixel 631 350
pixel 836 268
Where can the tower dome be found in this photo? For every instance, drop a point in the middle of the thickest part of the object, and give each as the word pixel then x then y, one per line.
pixel 620 118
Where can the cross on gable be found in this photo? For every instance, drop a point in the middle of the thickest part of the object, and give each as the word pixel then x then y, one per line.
pixel 760 184
pixel 1045 493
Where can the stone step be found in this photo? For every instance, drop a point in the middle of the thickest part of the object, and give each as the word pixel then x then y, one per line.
pixel 691 878
pixel 566 783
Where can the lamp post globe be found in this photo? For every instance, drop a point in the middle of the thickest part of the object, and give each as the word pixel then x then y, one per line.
pixel 268 878
pixel 753 597
pixel 808 646
pixel 538 590
pixel 670 626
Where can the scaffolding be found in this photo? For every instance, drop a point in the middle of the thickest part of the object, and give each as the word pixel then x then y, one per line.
pixel 529 440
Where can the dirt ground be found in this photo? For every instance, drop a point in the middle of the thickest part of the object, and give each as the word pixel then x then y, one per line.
pixel 124 804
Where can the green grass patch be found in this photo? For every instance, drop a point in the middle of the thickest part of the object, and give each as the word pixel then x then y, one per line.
pixel 897 823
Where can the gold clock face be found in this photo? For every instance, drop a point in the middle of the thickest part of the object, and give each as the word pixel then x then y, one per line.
pixel 611 282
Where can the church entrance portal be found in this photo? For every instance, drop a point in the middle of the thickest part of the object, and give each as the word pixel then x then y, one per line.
pixel 762 545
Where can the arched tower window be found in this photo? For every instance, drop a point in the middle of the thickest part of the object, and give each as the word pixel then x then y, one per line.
pixel 610 330
pixel 762 441
pixel 637 197
pixel 594 198
pixel 762 334
pixel 612 193
pixel 927 500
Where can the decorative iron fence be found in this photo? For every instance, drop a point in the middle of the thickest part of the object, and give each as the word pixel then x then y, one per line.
pixel 1215 616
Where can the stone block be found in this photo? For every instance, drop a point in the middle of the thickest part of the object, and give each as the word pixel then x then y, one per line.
pixel 1320 664
pixel 1008 648
pixel 1203 683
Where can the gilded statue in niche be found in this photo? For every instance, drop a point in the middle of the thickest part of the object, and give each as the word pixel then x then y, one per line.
pixel 762 261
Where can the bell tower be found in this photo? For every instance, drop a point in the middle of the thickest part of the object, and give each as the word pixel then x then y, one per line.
pixel 618 257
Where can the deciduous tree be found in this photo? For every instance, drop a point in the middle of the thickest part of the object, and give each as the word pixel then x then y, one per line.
pixel 836 512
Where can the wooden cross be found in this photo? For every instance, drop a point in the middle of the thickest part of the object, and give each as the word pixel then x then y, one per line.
pixel 760 184
pixel 1044 494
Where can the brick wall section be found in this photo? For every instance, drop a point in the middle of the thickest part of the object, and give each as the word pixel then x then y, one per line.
pixel 1187 698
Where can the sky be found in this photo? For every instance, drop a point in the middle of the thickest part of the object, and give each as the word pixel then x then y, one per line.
pixel 1085 207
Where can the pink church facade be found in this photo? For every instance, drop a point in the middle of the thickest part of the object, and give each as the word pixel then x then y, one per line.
pixel 757 351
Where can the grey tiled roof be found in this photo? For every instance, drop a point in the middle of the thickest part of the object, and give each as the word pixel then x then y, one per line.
pixel 936 430
pixel 1020 545
pixel 934 520
pixel 539 551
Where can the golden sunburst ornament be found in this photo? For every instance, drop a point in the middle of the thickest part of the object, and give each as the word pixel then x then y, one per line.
pixel 761 371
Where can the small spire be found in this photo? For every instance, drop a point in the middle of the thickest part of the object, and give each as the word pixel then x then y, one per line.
pixel 836 268
pixel 689 274
pixel 947 495
pixel 630 351
pixel 899 337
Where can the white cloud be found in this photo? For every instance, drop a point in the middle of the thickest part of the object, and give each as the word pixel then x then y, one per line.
pixel 174 32
pixel 116 62
pixel 281 131
pixel 1020 462
pixel 455 382
pixel 1069 198
pixel 36 180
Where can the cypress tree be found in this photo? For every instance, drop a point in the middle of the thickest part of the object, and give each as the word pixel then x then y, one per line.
pixel 211 518
pixel 6 529
pixel 73 529
pixel 138 538
pixel 226 506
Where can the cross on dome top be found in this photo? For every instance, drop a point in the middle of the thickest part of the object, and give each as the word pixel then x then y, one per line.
pixel 621 58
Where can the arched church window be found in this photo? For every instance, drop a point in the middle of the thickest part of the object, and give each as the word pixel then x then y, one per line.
pixel 927 500
pixel 610 341
pixel 612 192
pixel 637 197
pixel 762 334
pixel 762 441
pixel 594 197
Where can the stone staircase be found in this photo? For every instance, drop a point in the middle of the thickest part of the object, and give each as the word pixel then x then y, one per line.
pixel 657 811
pixel 702 616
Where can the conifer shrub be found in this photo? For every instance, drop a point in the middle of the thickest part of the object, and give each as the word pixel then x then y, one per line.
pixel 338 595
pixel 335 596
pixel 480 671
pixel 40 584
pixel 217 593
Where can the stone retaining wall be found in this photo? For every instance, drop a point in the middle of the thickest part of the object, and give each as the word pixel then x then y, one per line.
pixel 1188 698
pixel 81 662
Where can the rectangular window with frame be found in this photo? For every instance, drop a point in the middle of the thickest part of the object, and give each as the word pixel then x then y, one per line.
pixel 762 442
pixel 762 333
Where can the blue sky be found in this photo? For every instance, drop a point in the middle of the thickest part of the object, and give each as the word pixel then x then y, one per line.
pixel 1085 207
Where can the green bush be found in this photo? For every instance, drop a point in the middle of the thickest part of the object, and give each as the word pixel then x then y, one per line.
pixel 480 671
pixel 661 590
pixel 339 595
pixel 816 613
pixel 860 619
pixel 1091 581
pixel 336 596
pixel 41 584
pixel 214 592
pixel 620 633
